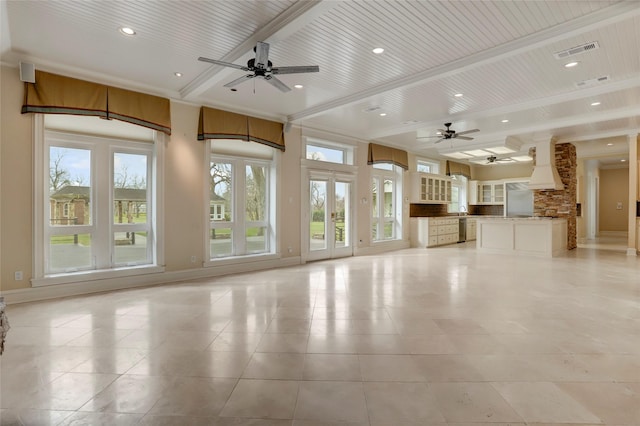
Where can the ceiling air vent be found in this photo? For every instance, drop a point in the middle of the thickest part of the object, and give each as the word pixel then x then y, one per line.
pixel 577 50
pixel 592 81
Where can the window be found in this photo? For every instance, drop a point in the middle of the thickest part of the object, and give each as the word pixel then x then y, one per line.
pixel 458 194
pixel 330 152
pixel 386 202
pixel 241 209
pixel 97 211
pixel 426 166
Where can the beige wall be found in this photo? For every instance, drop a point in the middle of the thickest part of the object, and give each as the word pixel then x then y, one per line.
pixel 184 190
pixel 290 194
pixel 16 183
pixel 614 188
pixel 502 171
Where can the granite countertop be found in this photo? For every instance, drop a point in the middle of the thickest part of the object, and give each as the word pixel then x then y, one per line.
pixel 522 218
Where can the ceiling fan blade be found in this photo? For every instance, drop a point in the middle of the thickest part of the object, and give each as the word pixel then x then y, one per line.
pixel 239 80
pixel 277 84
pixel 439 140
pixel 262 54
pixel 428 137
pixel 296 69
pixel 467 131
pixel 224 64
pixel 464 138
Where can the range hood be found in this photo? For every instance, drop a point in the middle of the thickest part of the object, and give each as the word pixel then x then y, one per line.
pixel 545 175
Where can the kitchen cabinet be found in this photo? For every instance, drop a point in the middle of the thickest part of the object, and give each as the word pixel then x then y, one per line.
pixel 433 231
pixel 545 237
pixel 430 188
pixel 486 192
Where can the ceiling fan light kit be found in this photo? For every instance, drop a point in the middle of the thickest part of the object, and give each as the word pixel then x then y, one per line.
pixel 451 134
pixel 262 67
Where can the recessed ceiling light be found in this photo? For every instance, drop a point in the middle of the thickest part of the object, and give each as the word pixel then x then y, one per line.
pixel 383 114
pixel 378 50
pixel 177 74
pixel 127 31
pixel 571 64
pixel 298 86
pixel 623 160
pixel 505 121
pixel 458 95
pixel 609 144
pixel 595 103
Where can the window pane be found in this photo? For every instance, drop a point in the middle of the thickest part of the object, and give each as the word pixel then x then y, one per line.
pixel 317 226
pixel 256 193
pixel 256 239
pixel 69 186
pixel 388 198
pixel 69 252
pixel 321 153
pixel 374 198
pixel 388 230
pixel 425 168
pixel 129 188
pixel 130 248
pixel 220 242
pixel 220 184
pixel 383 166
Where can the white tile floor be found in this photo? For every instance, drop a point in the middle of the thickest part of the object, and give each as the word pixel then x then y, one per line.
pixel 415 337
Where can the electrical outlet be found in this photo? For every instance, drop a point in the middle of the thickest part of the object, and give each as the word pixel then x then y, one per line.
pixel 18 276
pixel 193 259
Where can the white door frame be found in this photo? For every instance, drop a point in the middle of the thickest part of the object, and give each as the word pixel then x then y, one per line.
pixel 330 252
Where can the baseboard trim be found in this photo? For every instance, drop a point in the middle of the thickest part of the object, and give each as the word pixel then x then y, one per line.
pixel 613 234
pixel 382 247
pixel 34 294
pixel 631 251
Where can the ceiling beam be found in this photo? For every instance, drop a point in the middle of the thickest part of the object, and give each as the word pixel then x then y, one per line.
pixel 603 17
pixel 284 25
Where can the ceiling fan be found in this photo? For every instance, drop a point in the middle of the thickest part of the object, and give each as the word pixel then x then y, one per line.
pixel 451 134
pixel 492 159
pixel 261 66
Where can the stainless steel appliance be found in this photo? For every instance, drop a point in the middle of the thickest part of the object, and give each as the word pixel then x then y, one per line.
pixel 462 229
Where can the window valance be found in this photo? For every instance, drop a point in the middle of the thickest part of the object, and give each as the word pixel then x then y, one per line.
pixel 56 94
pixel 219 124
pixel 385 154
pixel 460 169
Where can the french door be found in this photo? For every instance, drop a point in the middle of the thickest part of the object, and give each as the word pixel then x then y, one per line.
pixel 330 218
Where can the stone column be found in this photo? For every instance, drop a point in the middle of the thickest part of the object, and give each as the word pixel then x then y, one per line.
pixel 561 203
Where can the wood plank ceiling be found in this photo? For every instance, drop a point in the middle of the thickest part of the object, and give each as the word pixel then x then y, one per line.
pixel 498 54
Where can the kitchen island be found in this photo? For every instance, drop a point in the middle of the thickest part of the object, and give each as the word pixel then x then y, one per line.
pixel 531 236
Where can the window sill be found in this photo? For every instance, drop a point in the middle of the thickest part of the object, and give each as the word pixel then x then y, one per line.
pixel 102 274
